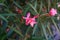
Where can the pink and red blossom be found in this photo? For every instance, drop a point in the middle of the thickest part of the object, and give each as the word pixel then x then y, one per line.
pixel 53 12
pixel 30 20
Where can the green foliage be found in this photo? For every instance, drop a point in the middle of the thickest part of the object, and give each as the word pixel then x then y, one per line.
pixel 15 22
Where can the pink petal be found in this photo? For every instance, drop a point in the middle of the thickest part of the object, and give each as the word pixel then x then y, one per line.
pixel 33 19
pixel 27 21
pixel 28 15
pixel 32 23
pixel 24 17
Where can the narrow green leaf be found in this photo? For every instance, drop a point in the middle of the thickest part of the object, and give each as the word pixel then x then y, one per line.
pixel 17 4
pixel 49 5
pixel 34 30
pixel 44 31
pixel 27 33
pixel 26 9
pixel 40 7
pixel 38 38
pixel 49 28
pixel 27 30
pixel 8 14
pixel 3 18
pixel 55 24
pixel 33 8
pixel 35 4
pixel 16 31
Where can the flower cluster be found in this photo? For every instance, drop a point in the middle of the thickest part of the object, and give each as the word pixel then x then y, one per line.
pixel 32 21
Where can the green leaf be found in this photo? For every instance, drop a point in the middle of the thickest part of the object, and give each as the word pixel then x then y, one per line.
pixel 27 32
pixel 17 4
pixel 40 7
pixel 17 31
pixel 3 18
pixel 55 24
pixel 8 14
pixel 49 4
pixel 48 26
pixel 35 4
pixel 26 9
pixel 38 38
pixel 33 8
pixel 44 31
pixel 35 27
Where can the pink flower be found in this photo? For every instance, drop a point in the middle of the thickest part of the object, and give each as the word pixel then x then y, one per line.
pixel 58 4
pixel 30 20
pixel 53 12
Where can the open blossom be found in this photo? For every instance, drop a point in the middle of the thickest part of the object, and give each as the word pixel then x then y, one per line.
pixel 30 20
pixel 52 12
